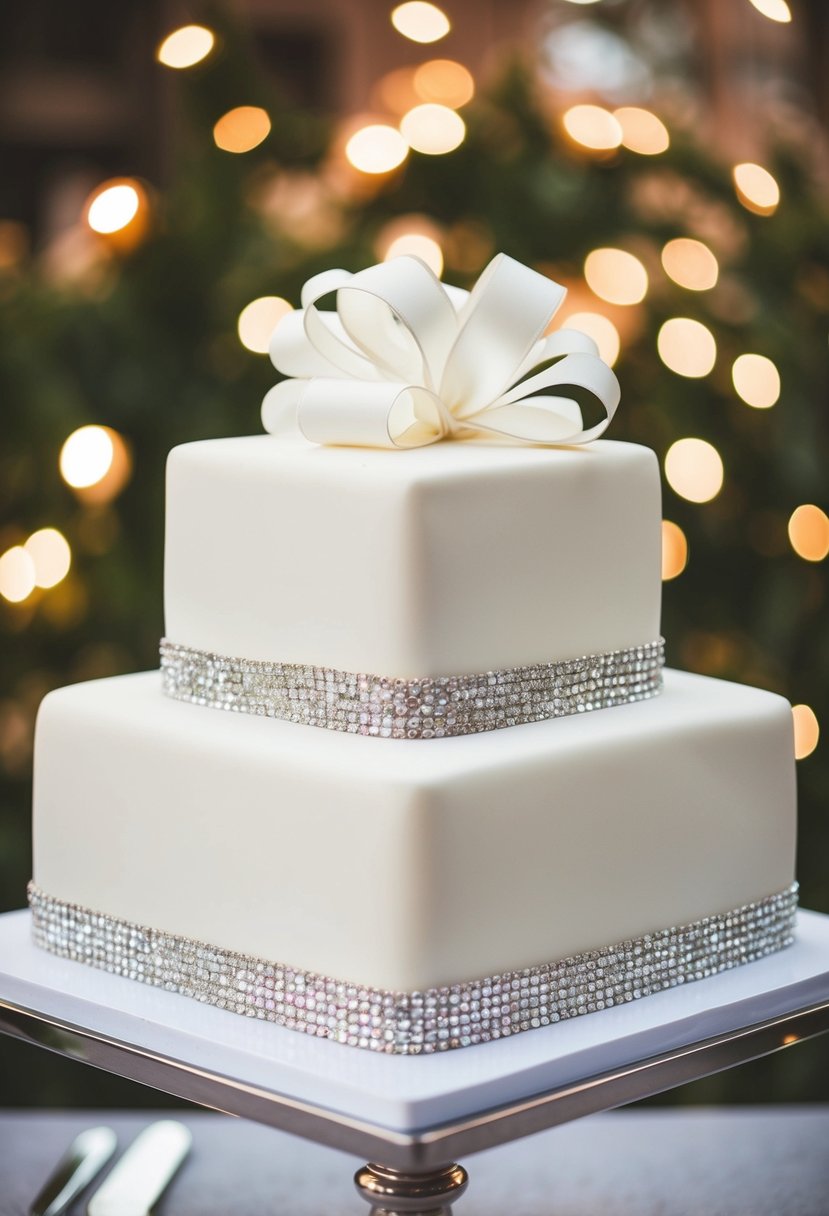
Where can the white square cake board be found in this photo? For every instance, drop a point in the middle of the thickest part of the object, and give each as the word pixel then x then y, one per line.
pixel 408 1094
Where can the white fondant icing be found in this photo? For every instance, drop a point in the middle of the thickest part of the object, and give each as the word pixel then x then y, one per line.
pixel 454 559
pixel 407 866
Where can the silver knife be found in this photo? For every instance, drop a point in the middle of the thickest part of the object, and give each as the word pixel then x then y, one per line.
pixel 135 1183
pixel 83 1160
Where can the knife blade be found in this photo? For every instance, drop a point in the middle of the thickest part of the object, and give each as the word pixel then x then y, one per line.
pixel 133 1186
pixel 83 1160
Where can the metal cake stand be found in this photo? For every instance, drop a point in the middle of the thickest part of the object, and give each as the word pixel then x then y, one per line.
pixel 413 1117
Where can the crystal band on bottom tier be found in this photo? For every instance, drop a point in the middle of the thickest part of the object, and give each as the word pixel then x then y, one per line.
pixel 437 1019
pixel 431 708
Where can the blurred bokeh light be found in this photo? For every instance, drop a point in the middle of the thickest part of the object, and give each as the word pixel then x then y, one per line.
pixel 420 22
pixel 694 469
pixel 186 46
pixel 756 380
pixel 687 347
pixel 674 550
pixel 756 188
pixel 809 532
pixel 376 148
pixel 616 276
pixel 258 320
pixel 242 129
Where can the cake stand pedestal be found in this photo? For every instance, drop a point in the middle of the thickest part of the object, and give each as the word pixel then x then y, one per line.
pixel 412 1117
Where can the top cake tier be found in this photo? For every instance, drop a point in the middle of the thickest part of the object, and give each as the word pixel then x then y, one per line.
pixel 454 559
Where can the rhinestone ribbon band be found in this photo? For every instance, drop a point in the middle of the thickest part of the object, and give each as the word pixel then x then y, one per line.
pixel 437 1019
pixel 412 709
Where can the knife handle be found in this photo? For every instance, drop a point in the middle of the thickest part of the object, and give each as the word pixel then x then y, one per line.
pixel 135 1183
pixel 83 1160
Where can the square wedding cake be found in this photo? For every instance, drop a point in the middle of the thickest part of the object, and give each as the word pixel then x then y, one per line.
pixel 453 795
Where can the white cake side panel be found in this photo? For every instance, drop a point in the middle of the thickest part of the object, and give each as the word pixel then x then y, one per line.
pixel 632 819
pixel 409 865
pixel 191 822
pixel 453 559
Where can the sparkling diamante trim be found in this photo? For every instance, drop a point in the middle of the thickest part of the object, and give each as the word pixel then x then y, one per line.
pixel 412 709
pixel 437 1019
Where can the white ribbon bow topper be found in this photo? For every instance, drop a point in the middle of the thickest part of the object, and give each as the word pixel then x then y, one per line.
pixel 406 361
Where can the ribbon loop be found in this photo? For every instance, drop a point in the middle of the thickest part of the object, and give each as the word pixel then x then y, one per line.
pixel 405 361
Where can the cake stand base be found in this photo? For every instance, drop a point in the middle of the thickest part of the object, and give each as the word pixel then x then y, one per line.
pixel 397 1193
pixel 413 1115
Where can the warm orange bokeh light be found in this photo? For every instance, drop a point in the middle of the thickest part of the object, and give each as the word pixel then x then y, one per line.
pixel 616 276
pixel 756 380
pixel 258 320
pixel 445 82
pixel 601 329
pixel 809 532
pixel 95 462
pixel 592 127
pixel 756 189
pixel 642 131
pixel 674 550
pixel 376 148
pixel 687 347
pixel 690 263
pixel 17 575
pixel 52 557
pixel 806 731
pixel 118 210
pixel 242 129
pixel 416 235
pixel 433 130
pixel 775 10
pixel 420 22
pixel 185 47
pixel 694 469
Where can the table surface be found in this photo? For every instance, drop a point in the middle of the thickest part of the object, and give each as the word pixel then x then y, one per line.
pixel 760 1161
pixel 410 1093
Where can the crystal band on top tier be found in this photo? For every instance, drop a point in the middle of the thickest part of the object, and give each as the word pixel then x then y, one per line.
pixel 437 1019
pixel 412 709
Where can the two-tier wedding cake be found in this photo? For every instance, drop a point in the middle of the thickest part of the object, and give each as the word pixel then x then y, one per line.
pixel 451 795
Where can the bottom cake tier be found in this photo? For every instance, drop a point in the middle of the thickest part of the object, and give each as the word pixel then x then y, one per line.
pixel 414 896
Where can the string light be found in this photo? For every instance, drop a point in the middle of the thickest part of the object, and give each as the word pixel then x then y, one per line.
pixel 674 550
pixel 809 532
pixel 616 276
pixel 376 149
pixel 432 129
pixel 258 320
pixel 242 129
pixel 694 469
pixel 775 10
pixel 444 81
pixel 186 47
pixel 51 555
pixel 691 264
pixel 593 127
pixel 17 575
pixel 420 22
pixel 642 131
pixel 601 329
pixel 86 456
pixel 806 731
pixel 756 380
pixel 687 347
pixel 113 206
pixel 756 189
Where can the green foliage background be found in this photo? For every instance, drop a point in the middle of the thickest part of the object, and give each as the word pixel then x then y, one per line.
pixel 146 343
